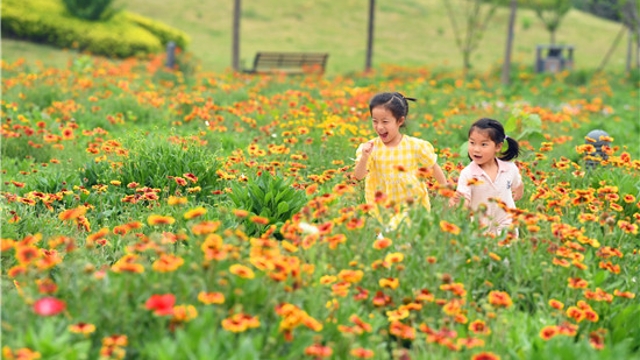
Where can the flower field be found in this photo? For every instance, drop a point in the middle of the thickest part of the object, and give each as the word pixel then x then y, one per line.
pixel 150 214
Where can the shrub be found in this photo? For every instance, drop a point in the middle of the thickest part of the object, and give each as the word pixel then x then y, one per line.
pixel 90 9
pixel 161 31
pixel 48 22
pixel 267 196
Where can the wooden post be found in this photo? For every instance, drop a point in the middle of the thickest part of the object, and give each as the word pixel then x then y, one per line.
pixel 235 53
pixel 372 5
pixel 506 66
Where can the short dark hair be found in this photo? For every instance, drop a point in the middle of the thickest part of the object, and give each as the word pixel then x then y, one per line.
pixel 497 135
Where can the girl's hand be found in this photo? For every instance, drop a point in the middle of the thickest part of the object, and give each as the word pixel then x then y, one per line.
pixel 518 192
pixel 367 149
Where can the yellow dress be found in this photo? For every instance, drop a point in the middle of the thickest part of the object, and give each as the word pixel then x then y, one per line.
pixel 395 171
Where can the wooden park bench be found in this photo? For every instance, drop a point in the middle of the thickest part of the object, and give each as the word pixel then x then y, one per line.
pixel 289 63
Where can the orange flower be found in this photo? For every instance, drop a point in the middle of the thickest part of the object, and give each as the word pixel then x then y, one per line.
pixel 381 244
pixel 167 263
pixel 577 283
pixel 259 220
pixel 625 294
pixel 191 177
pixel 549 331
pixel 184 313
pixel 449 227
pixel 26 254
pixel 82 328
pixel 576 314
pixel 194 213
pixel 160 220
pixel 242 271
pixel 318 351
pixel 470 342
pixel 205 227
pixel 362 353
pixel 209 298
pixel 499 298
pixel 628 227
pixel 479 327
pixel 556 304
pixel 72 214
pixel 389 282
pixel 485 355
pixel 172 200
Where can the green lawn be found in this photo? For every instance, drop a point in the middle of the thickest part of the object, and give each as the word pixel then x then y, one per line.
pixel 414 33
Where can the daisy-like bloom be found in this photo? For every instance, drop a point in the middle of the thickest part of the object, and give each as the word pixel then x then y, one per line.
pixel 628 227
pixel 115 340
pixel 455 288
pixel 20 354
pixel 194 213
pixel 625 294
pixel 46 286
pixel 577 283
pixel 161 305
pixel 240 322
pixel 381 299
pixel 351 276
pixel 549 332
pixel 402 331
pixel 260 220
pixel 361 294
pixel 205 227
pixel 596 338
pixel 180 181
pixel 209 298
pixel 394 258
pixel 479 327
pixel 318 351
pixel 391 283
pixel 127 263
pixel 82 328
pixel 240 213
pixel 628 198
pixel 160 220
pixel 25 254
pixel 485 355
pixel 556 304
pixel 49 306
pixel 575 313
pixel 449 227
pixel 173 200
pixel 191 177
pixel 241 271
pixel 500 298
pixel 72 214
pixel 184 313
pixel 470 342
pixel 167 263
pixel 362 353
pixel 397 314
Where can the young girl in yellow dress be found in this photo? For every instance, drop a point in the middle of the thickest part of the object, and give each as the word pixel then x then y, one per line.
pixel 392 163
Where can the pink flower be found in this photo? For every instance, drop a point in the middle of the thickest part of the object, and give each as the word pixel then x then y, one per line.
pixel 49 306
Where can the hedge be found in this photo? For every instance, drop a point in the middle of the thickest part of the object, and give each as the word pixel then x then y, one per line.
pixel 121 36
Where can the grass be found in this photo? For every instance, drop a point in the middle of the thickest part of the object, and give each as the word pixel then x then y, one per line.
pixel 411 32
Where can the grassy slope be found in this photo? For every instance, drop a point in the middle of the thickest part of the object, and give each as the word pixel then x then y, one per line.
pixel 410 32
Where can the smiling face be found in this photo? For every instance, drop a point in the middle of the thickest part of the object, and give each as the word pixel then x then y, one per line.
pixel 386 126
pixel 482 149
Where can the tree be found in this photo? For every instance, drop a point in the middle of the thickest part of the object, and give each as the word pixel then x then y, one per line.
pixel 506 65
pixel 475 15
pixel 551 13
pixel 630 11
pixel 235 50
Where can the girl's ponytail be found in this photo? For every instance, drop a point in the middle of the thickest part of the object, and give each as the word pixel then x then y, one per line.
pixel 512 151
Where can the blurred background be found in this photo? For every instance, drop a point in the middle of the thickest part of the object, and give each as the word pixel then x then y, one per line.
pixel 434 33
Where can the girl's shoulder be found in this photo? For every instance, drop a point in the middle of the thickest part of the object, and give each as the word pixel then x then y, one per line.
pixel 416 141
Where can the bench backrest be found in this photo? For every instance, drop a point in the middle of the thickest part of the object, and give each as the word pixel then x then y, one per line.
pixel 289 62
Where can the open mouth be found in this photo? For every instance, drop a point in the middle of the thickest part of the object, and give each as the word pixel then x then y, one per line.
pixel 383 136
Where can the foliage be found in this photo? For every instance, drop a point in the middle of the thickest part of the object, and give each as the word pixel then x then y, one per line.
pixel 119 36
pixel 551 13
pixel 270 196
pixel 215 216
pixel 90 9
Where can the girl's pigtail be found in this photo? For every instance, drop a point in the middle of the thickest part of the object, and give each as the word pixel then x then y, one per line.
pixel 513 149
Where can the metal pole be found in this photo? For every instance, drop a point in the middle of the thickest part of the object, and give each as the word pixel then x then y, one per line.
pixel 372 6
pixel 235 53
